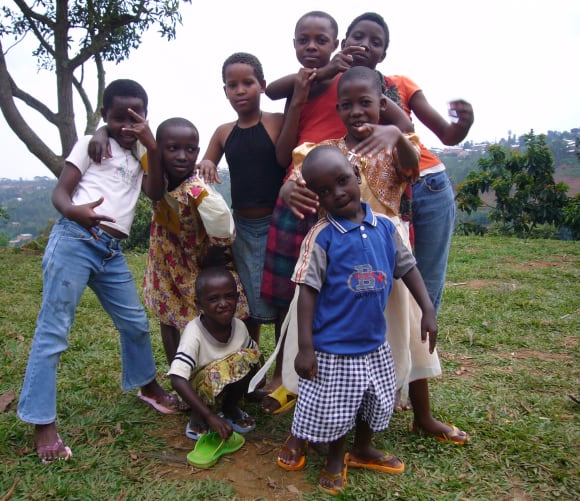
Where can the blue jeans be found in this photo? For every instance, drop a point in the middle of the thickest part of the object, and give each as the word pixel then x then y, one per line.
pixel 72 260
pixel 249 249
pixel 433 220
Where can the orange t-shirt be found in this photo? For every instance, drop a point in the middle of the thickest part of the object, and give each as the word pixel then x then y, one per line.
pixel 406 88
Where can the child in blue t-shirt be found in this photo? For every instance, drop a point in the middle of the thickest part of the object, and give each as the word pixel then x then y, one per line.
pixel 346 269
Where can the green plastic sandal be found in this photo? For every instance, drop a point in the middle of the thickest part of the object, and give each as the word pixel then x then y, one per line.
pixel 210 447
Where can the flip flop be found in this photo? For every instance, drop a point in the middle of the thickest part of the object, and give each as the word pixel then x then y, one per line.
pixel 300 453
pixel 449 437
pixel 285 398
pixel 167 404
pixel 244 416
pixel 333 477
pixel 189 433
pixel 57 446
pixel 210 447
pixel 380 463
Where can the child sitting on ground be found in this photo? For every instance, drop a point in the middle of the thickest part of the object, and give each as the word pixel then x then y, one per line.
pixel 191 227
pixel 97 203
pixel 345 272
pixel 216 359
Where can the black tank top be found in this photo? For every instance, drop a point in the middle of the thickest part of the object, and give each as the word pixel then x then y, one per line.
pixel 255 175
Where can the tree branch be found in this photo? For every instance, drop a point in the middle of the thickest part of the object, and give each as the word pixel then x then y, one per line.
pixel 20 127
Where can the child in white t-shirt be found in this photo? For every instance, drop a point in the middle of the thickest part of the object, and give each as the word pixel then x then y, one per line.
pixel 216 359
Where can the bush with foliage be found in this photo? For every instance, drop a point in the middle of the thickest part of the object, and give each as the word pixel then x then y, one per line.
pixel 523 185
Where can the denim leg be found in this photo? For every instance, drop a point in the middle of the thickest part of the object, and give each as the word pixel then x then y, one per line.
pixel 433 220
pixel 115 287
pixel 66 269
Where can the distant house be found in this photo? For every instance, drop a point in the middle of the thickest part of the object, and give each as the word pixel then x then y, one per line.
pixel 20 239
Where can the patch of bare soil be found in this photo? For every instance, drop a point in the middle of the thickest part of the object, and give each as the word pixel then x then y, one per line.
pixel 541 355
pixel 251 471
pixel 483 284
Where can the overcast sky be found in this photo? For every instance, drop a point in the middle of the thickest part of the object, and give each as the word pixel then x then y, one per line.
pixel 516 61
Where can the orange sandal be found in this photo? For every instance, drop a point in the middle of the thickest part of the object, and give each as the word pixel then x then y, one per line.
pixel 333 478
pixel 300 454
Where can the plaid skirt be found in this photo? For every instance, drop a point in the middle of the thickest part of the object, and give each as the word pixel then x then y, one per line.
pixel 345 387
pixel 282 250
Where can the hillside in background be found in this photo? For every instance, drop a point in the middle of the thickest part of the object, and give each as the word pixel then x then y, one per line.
pixel 30 211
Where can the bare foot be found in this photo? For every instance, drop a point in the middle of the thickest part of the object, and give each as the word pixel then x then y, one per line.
pixel 49 445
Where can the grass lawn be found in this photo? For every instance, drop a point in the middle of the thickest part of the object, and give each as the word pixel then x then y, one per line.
pixel 509 347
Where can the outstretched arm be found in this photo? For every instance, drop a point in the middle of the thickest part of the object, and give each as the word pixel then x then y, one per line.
pixel 416 286
pixel 450 133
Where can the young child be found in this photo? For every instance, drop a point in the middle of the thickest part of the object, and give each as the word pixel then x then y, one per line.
pixel 310 117
pixel 256 177
pixel 383 177
pixel 433 204
pixel 97 203
pixel 346 269
pixel 215 360
pixel 191 227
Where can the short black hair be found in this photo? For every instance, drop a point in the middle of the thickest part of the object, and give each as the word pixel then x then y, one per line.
pixel 124 88
pixel 319 13
pixel 361 73
pixel 207 274
pixel 175 121
pixel 308 169
pixel 375 18
pixel 244 58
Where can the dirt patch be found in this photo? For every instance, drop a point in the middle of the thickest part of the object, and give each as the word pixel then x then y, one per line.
pixel 252 471
pixel 484 284
pixel 540 355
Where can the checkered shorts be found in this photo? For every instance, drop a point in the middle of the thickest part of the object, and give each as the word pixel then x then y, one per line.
pixel 344 388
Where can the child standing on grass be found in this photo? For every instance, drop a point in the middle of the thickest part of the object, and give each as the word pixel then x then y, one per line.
pixel 256 176
pixel 345 272
pixel 191 228
pixel 383 177
pixel 215 360
pixel 97 203
pixel 433 203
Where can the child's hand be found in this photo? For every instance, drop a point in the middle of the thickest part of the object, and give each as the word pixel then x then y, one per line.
pixel 299 198
pixel 377 138
pixel 302 85
pixel 86 216
pixel 140 129
pixel 305 364
pixel 462 112
pixel 208 172
pixel 99 147
pixel 341 62
pixel 220 425
pixel 429 327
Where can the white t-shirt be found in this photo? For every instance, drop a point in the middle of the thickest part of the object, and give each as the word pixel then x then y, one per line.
pixel 117 179
pixel 197 347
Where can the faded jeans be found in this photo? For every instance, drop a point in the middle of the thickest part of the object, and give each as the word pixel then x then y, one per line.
pixel 72 260
pixel 433 220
